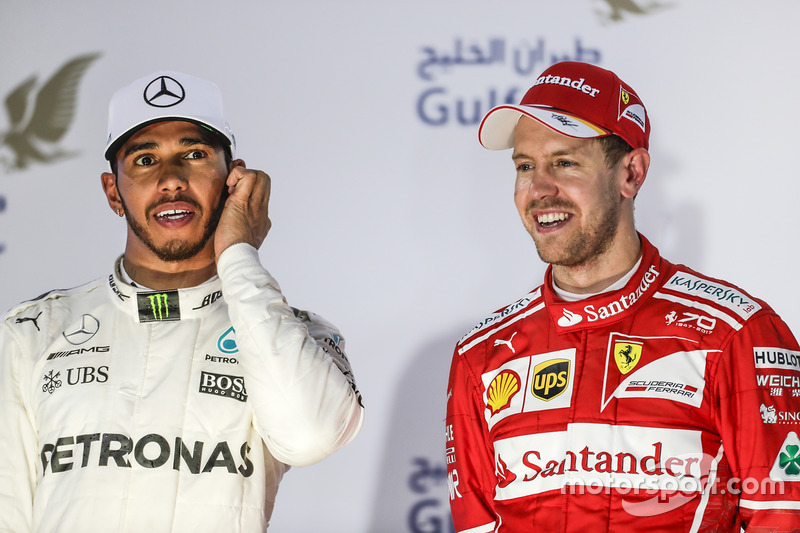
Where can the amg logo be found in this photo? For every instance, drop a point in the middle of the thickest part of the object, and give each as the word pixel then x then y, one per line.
pixel 78 351
pixel 223 385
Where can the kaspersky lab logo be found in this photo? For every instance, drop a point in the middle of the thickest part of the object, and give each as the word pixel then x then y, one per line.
pixel 158 306
pixel 39 119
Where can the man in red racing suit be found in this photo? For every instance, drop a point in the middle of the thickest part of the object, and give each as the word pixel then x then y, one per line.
pixel 663 405
pixel 665 401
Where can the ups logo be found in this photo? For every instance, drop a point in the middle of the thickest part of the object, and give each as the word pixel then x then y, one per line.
pixel 550 378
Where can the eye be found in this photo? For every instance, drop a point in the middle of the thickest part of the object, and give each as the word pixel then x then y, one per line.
pixel 564 163
pixel 524 167
pixel 144 160
pixel 195 154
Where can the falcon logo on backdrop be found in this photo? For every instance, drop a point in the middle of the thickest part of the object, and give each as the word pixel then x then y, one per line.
pixel 2 208
pixel 619 9
pixel 38 118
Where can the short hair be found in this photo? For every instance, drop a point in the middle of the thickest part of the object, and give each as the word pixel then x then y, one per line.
pixel 614 147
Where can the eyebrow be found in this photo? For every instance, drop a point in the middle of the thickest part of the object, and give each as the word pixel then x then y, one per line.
pixel 150 145
pixel 557 153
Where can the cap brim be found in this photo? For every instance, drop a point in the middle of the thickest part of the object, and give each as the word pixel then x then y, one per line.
pixel 121 139
pixel 496 131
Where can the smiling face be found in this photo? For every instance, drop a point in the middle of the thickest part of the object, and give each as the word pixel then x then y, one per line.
pixel 171 185
pixel 569 200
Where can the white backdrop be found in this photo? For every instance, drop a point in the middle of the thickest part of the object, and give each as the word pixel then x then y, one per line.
pixel 389 219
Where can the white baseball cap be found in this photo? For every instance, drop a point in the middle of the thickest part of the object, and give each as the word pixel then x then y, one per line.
pixel 165 95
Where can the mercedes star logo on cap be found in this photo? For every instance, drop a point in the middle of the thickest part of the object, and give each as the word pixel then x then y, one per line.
pixel 164 92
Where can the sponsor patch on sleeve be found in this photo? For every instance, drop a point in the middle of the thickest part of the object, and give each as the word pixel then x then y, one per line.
pixel 777 358
pixel 726 296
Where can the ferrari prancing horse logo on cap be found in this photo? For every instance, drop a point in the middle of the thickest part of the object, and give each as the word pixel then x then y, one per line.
pixel 164 91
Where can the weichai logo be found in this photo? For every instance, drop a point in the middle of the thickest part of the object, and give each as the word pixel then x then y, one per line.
pixel 550 379
pixel 158 306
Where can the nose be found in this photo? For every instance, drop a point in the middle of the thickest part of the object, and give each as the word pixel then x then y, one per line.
pixel 538 185
pixel 174 178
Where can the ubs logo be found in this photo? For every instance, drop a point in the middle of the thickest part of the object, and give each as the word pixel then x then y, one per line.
pixel 81 375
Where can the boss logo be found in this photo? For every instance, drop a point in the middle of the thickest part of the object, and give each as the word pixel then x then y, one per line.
pixel 223 385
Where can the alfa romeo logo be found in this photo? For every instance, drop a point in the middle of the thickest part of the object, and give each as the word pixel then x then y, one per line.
pixel 789 459
pixel 164 91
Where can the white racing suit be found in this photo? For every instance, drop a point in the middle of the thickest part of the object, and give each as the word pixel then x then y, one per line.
pixel 123 409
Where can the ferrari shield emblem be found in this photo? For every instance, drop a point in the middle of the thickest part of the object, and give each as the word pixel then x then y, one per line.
pixel 625 96
pixel 627 355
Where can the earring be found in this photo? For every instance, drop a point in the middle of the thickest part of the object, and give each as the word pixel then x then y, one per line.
pixel 119 212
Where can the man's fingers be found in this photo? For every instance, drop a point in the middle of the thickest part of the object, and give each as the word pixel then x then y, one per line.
pixel 245 182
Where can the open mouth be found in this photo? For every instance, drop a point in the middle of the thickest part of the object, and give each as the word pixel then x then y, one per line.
pixel 552 220
pixel 171 215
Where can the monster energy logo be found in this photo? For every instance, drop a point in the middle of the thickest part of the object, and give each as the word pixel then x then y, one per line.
pixel 158 306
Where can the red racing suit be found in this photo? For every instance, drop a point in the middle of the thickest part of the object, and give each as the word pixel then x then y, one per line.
pixel 672 404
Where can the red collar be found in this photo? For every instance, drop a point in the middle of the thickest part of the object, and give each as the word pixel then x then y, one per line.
pixel 608 307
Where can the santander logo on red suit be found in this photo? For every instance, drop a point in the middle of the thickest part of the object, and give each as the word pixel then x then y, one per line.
pixel 581 313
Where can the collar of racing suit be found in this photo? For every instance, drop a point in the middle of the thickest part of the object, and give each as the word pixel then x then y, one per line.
pixel 161 306
pixel 607 307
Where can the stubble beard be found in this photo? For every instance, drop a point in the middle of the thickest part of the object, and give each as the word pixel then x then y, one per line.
pixel 585 244
pixel 177 250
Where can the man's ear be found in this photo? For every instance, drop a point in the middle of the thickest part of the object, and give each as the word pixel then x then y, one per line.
pixel 109 184
pixel 633 167
pixel 237 163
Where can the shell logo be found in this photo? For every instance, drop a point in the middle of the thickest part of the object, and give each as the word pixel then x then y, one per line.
pixel 501 390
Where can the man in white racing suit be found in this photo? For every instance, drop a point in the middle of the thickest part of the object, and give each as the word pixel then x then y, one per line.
pixel 175 393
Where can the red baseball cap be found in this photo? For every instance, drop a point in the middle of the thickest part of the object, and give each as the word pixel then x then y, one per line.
pixel 576 99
